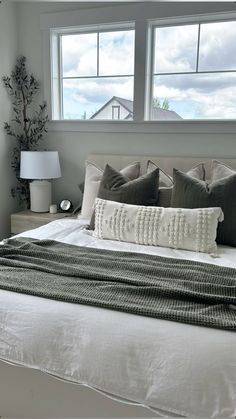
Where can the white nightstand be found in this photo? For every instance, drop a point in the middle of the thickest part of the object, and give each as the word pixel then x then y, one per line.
pixel 27 220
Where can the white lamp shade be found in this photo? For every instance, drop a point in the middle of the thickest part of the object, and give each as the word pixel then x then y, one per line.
pixel 40 165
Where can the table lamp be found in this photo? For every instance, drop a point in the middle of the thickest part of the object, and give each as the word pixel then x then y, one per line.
pixel 39 166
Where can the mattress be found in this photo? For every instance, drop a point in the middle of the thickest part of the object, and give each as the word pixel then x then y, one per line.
pixel 172 367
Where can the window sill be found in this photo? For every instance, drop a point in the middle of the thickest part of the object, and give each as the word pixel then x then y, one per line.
pixel 146 127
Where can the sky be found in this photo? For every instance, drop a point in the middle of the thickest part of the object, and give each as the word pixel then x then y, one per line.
pixel 192 96
pixel 116 58
pixel 196 96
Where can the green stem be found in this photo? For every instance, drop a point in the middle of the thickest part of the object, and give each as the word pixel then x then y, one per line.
pixel 24 113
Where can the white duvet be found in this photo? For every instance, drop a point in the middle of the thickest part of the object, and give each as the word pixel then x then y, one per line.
pixel 176 368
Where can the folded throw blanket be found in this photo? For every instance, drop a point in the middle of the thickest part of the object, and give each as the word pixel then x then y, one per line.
pixel 165 288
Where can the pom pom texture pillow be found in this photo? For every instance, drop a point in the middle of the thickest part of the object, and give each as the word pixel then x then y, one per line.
pixel 191 229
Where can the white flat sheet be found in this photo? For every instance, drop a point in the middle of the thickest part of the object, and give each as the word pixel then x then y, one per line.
pixel 183 369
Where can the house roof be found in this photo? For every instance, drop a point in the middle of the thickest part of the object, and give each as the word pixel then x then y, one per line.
pixel 164 114
pixel 157 113
pixel 128 104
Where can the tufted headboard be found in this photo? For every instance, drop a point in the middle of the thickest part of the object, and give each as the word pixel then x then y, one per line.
pixel 166 163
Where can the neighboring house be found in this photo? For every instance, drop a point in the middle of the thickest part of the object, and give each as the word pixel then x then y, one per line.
pixel 119 108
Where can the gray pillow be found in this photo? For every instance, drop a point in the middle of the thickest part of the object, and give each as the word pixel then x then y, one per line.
pixel 93 176
pixel 119 188
pixel 164 197
pixel 192 193
pixel 166 181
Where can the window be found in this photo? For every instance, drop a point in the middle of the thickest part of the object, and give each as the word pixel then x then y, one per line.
pixel 125 64
pixel 194 73
pixel 96 67
pixel 115 112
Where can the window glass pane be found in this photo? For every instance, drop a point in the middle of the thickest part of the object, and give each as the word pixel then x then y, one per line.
pixel 195 96
pixel 116 53
pixel 175 49
pixel 115 112
pixel 79 55
pixel 93 98
pixel 218 46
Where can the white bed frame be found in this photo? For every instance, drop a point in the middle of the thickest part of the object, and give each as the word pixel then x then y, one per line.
pixel 30 393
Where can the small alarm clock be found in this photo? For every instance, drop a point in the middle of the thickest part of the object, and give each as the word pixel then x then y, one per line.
pixel 65 205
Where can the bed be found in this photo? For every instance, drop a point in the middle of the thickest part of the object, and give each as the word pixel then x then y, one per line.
pixel 63 359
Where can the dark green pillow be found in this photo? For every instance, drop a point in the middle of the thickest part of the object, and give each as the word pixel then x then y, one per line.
pixel 192 193
pixel 116 187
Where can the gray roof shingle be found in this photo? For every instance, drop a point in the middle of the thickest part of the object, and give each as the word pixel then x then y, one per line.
pixel 156 113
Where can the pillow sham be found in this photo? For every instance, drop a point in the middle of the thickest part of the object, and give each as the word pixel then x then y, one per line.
pixel 93 176
pixel 192 193
pixel 166 181
pixel 220 170
pixel 191 229
pixel 115 186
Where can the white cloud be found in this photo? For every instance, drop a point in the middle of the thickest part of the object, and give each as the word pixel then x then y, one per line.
pixel 202 96
pixel 116 54
pixel 176 48
pixel 79 55
pixel 91 94
pixel 217 47
pixel 100 90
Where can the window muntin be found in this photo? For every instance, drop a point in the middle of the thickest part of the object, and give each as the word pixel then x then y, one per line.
pixel 116 53
pixel 217 46
pixel 79 55
pixel 194 72
pixel 95 67
pixel 170 58
pixel 153 86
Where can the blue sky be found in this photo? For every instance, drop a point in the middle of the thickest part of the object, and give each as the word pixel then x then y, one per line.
pixel 193 96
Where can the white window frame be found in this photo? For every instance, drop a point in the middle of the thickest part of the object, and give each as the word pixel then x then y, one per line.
pixel 182 22
pixel 57 71
pixel 145 17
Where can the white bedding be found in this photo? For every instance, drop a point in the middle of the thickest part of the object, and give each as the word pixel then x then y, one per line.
pixel 182 369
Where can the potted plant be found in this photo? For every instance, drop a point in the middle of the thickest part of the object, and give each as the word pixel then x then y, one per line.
pixel 28 124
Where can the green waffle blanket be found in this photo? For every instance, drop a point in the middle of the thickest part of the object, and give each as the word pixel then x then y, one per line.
pixel 165 288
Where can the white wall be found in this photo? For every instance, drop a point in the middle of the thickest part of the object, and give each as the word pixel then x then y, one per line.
pixel 8 52
pixel 75 146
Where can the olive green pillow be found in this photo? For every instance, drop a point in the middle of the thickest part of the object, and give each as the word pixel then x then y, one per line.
pixel 192 193
pixel 166 181
pixel 116 187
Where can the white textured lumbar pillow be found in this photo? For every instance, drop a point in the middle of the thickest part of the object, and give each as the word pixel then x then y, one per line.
pixel 179 228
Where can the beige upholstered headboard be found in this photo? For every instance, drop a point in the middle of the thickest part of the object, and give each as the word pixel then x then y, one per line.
pixel 166 163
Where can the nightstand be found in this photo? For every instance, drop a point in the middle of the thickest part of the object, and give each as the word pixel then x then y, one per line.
pixel 27 220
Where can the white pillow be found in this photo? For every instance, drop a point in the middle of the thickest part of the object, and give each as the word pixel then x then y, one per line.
pixel 191 229
pixel 93 176
pixel 166 180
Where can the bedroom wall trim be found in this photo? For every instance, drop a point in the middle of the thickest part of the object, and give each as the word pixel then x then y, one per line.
pixel 124 13
pixel 146 127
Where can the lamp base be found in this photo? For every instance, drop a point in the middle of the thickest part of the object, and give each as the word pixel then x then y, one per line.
pixel 40 195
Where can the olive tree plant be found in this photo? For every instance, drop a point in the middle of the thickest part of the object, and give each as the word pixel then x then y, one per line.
pixel 28 123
